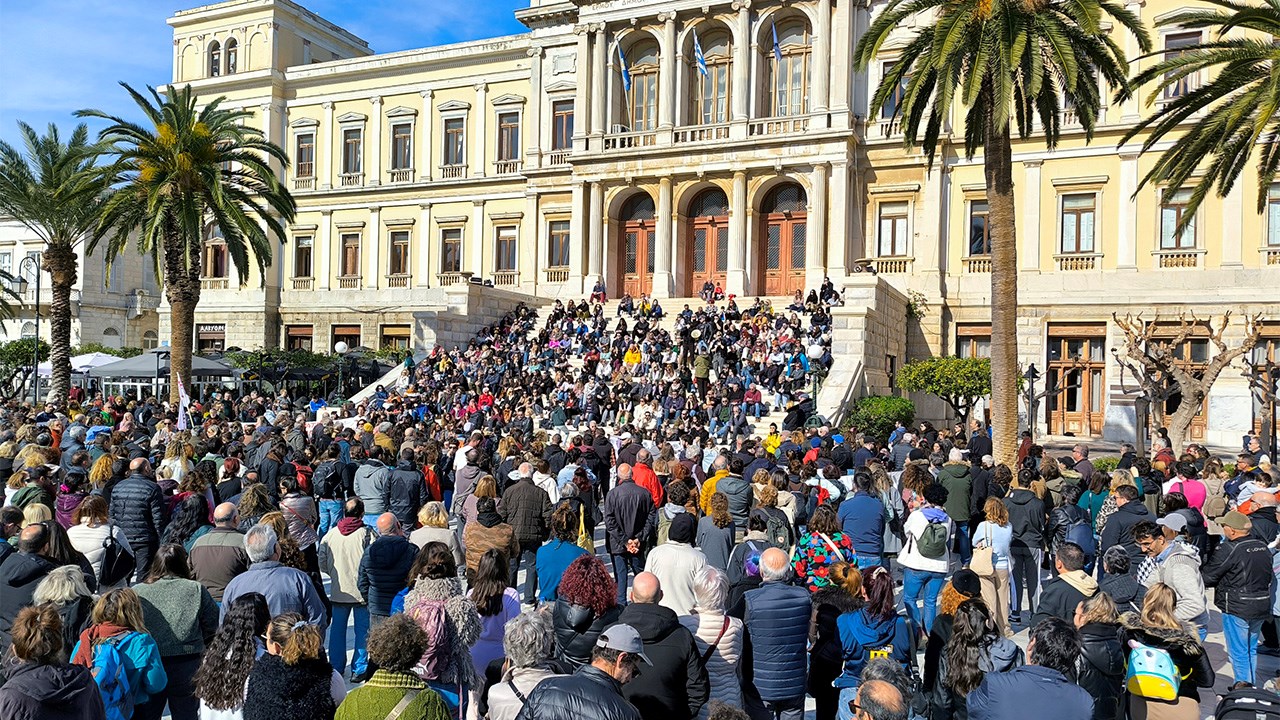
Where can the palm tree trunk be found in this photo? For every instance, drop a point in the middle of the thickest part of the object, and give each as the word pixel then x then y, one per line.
pixel 60 262
pixel 182 317
pixel 998 168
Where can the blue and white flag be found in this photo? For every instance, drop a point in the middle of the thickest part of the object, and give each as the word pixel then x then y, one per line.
pixel 777 49
pixel 626 74
pixel 699 59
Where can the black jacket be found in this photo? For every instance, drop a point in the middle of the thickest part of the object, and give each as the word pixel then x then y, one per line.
pixel 676 685
pixel 1100 669
pixel 405 493
pixel 1027 517
pixel 384 571
pixel 1187 653
pixel 628 513
pixel 1265 527
pixel 1058 598
pixel 1241 570
pixel 138 508
pixel 556 460
pixel 277 691
pixel 50 692
pixel 528 510
pixel 1061 518
pixel 588 694
pixel 1119 530
pixel 19 576
pixel 577 629
pixel 1125 590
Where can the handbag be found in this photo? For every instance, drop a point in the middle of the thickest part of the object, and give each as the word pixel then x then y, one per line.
pixel 585 541
pixel 117 561
pixel 983 561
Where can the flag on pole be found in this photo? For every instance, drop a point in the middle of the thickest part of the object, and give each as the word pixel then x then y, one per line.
pixel 626 74
pixel 699 59
pixel 777 49
pixel 183 402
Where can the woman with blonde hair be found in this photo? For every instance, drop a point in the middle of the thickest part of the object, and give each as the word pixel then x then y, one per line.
pixel 36 513
pixel 434 521
pixel 486 487
pixel 65 591
pixel 102 470
pixel 996 533
pixel 1158 627
pixel 1101 663
pixel 117 620
pixel 293 681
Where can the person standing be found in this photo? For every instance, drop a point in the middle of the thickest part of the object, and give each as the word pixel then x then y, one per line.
pixel 406 489
pixel 777 633
pixel 1026 549
pixel 394 689
pixel 675 563
pixel 863 518
pixel 595 691
pixel 1043 683
pixel 926 555
pixel 629 520
pixel 137 506
pixel 20 574
pixel 41 686
pixel 1100 666
pixel 1240 569
pixel 219 556
pixel 527 508
pixel 341 551
pixel 384 568
pixel 1177 565
pixel 371 484
pixel 674 685
pixel 996 533
pixel 957 477
pixel 286 589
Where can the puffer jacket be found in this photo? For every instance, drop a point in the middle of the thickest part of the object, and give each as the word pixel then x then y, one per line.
pixel 722 663
pixel 777 619
pixel 138 508
pixel 19 576
pixel 1061 518
pixel 588 694
pixel 1241 570
pixel 50 692
pixel 577 629
pixel 528 510
pixel 1100 669
pixel 1190 657
pixel 384 570
pixel 675 685
pixel 370 485
pixel 404 493
pixel 299 510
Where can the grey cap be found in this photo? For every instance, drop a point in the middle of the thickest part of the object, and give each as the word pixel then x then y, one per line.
pixel 623 638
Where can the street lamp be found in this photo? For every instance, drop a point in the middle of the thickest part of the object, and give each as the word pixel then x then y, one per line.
pixel 34 261
pixel 341 349
pixel 1031 375
pixel 815 352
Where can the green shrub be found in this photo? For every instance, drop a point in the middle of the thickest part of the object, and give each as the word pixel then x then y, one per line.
pixel 875 415
pixel 1105 464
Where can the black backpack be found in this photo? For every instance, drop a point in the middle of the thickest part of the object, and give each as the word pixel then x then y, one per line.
pixel 1248 704
pixel 326 481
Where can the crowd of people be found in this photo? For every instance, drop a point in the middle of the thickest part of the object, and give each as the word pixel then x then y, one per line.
pixel 567 521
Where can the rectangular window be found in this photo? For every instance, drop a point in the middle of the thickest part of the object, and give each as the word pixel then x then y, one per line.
pixel 395 336
pixel 644 100
pixel 1078 222
pixel 349 334
pixel 892 240
pixel 558 243
pixel 6 267
pixel 894 100
pixel 561 124
pixel 401 146
pixel 1273 216
pixel 302 256
pixel 451 250
pixel 304 160
pixel 979 232
pixel 1172 210
pixel 352 151
pixel 504 254
pixel 398 263
pixel 1174 46
pixel 297 337
pixel 350 255
pixel 508 136
pixel 215 261
pixel 454 139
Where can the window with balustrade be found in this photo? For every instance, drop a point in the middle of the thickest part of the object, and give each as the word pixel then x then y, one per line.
pixel 1175 45
pixel 304 156
pixel 562 125
pixel 504 250
pixel 1173 208
pixel 892 235
pixel 233 55
pixel 1077 219
pixel 349 266
pixel 1273 216
pixel 710 92
pixel 215 59
pixel 402 146
pixel 642 97
pixel 893 103
pixel 455 149
pixel 352 151
pixel 214 255
pixel 558 243
pixel 302 249
pixel 789 68
pixel 398 262
pixel 508 136
pixel 979 228
pixel 451 250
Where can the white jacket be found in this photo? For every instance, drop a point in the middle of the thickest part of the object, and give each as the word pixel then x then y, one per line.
pixel 722 665
pixel 676 564
pixel 910 556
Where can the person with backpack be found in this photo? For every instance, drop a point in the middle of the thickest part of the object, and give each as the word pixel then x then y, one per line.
pixel 40 685
pixel 1240 569
pixel 326 482
pixel 1167 663
pixel 926 555
pixel 123 658
pixel 1070 523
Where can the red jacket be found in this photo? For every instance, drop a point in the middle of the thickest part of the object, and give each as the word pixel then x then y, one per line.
pixel 646 478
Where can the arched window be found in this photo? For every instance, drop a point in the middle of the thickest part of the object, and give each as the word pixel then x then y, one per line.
pixel 639 207
pixel 710 92
pixel 111 338
pixel 150 340
pixel 215 59
pixel 642 98
pixel 232 55
pixel 28 330
pixel 789 69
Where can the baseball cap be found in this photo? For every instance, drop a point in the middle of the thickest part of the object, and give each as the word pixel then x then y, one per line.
pixel 1236 521
pixel 623 638
pixel 1173 521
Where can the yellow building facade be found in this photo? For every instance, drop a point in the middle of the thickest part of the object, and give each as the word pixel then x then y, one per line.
pixel 656 145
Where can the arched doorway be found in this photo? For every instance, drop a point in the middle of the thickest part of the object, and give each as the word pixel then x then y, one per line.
pixel 636 268
pixel 707 246
pixel 784 231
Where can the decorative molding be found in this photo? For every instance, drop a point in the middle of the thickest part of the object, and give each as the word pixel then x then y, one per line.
pixel 666 17
pixel 352 117
pixel 452 219
pixel 909 187
pixel 508 99
pixel 534 52
pixel 428 93
pixel 305 123
pixel 304 228
pixel 973 188
pixel 550 210
pixel 561 86
pixel 517 215
pixel 1086 180
pixel 398 222
pixel 401 111
pixel 350 225
pixel 482 86
pixel 327 105
pixel 376 100
pixel 453 106
pixel 740 5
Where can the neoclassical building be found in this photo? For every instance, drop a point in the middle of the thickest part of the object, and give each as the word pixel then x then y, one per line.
pixel 656 144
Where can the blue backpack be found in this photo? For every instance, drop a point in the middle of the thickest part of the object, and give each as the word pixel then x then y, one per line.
pixel 113 682
pixel 1081 534
pixel 1152 674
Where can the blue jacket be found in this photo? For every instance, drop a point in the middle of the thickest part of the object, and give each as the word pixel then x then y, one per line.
pixel 552 559
pixel 780 649
pixel 286 590
pixel 1008 695
pixel 860 633
pixel 862 518
pixel 142 665
pixel 384 571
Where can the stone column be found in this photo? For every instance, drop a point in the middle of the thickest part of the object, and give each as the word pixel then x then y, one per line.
pixel 817 226
pixel 326 169
pixel 533 133
pixel 821 60
pixel 428 134
pixel 599 76
pixel 1031 235
pixel 1232 221
pixel 323 250
pixel 667 73
pixel 527 257
pixel 838 234
pixel 1126 238
pixel 424 245
pixel 595 236
pixel 736 279
pixel 478 239
pixel 741 88
pixel 481 129
pixel 374 272
pixel 579 225
pixel 1132 108
pixel 375 144
pixel 663 252
pixel 842 39
pixel 582 79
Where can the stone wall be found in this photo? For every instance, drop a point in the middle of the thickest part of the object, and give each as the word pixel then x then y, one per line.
pixel 868 330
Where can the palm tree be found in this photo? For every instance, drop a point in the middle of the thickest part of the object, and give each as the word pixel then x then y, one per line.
pixel 56 192
pixel 1235 112
pixel 1006 62
pixel 192 167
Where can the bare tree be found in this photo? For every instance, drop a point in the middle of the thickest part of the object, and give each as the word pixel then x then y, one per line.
pixel 1150 353
pixel 1262 383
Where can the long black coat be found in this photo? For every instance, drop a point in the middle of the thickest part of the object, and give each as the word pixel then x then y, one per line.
pixel 138 508
pixel 1100 669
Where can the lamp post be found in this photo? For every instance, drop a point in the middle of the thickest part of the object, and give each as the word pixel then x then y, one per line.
pixel 1031 375
pixel 815 352
pixel 341 349
pixel 34 266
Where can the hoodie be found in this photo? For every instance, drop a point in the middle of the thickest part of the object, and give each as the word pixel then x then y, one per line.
pixel 1059 596
pixel 1027 517
pixel 1179 568
pixel 50 692
pixel 675 686
pixel 861 632
pixel 19 576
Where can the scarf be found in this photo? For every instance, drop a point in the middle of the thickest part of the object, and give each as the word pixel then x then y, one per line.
pixel 489 519
pixel 91 637
pixel 347 526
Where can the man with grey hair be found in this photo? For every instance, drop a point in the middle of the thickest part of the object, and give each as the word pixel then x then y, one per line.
pixel 219 555
pixel 530 644
pixel 72 443
pixel 777 621
pixel 286 589
pixel 957 477
pixel 1080 453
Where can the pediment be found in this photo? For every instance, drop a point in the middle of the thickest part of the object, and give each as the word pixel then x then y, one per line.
pixel 453 105
pixel 401 111
pixel 352 117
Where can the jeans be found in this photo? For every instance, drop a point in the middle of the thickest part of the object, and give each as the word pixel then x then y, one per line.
pixel 914 584
pixel 338 638
pixel 1241 637
pixel 622 564
pixel 1026 576
pixel 754 408
pixel 866 560
pixel 371 519
pixel 847 696
pixel 962 544
pixel 528 558
pixel 330 514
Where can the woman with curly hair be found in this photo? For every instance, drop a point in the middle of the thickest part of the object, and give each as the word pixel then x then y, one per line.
pixel 716 533
pixel 394 648
pixel 221 681
pixel 293 681
pixel 190 522
pixel 434 585
pixel 587 604
pixel 254 503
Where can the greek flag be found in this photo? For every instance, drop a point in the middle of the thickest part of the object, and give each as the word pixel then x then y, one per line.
pixel 777 49
pixel 698 58
pixel 626 74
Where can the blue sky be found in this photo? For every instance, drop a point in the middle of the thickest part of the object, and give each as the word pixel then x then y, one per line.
pixel 59 57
